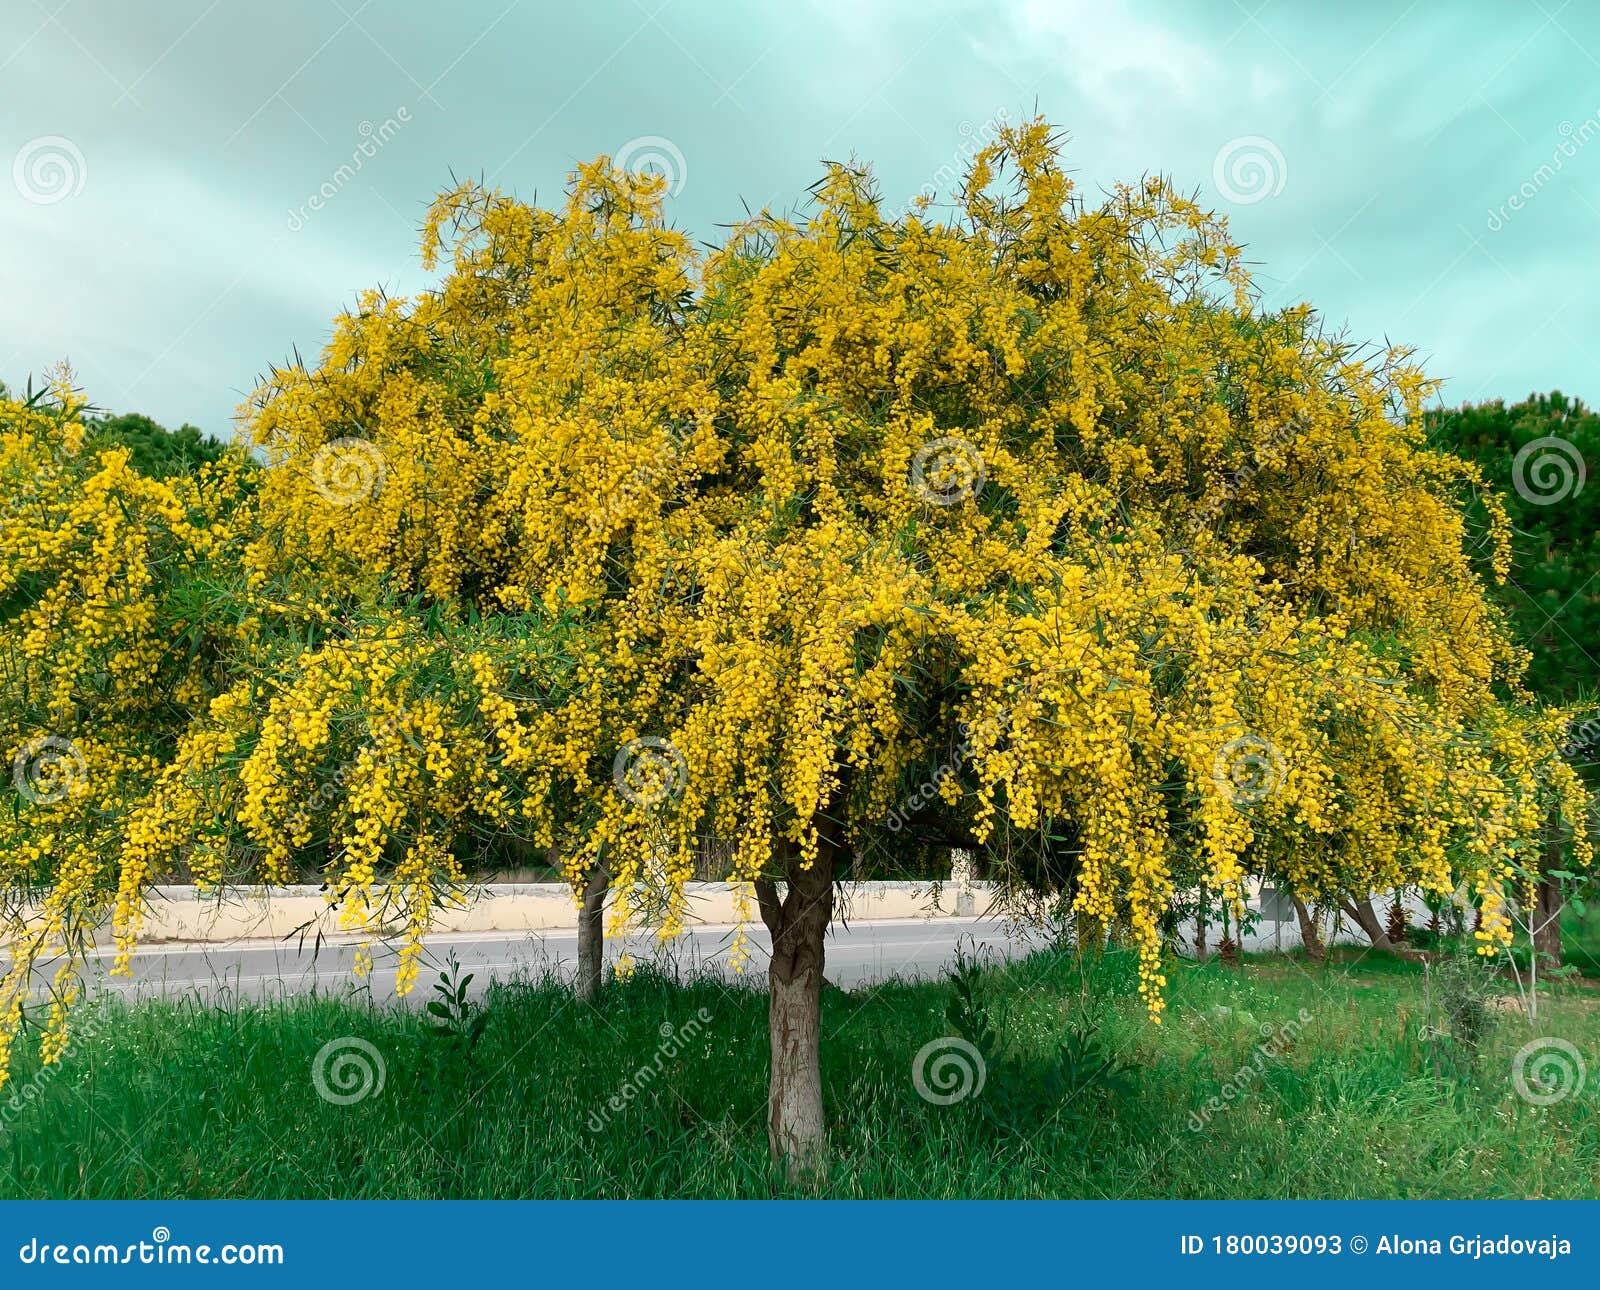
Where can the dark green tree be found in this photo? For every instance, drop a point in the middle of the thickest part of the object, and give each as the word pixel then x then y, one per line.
pixel 1539 454
pixel 155 451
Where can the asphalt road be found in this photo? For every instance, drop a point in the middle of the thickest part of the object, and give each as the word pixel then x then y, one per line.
pixel 862 953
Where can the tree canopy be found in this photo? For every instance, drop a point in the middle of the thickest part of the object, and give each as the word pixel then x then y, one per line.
pixel 616 544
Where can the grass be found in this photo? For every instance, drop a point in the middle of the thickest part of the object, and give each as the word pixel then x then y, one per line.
pixel 186 1099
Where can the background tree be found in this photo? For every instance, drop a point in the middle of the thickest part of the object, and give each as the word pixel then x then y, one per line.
pixel 1537 455
pixel 153 450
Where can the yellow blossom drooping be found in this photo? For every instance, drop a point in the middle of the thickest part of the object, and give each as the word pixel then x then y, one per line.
pixel 1029 517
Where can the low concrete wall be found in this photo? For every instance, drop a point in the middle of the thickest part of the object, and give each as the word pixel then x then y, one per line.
pixel 183 914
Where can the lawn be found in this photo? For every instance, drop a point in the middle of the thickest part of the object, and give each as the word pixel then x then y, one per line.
pixel 1346 1094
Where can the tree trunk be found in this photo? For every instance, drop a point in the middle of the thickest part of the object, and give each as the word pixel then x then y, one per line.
pixel 1545 920
pixel 1316 951
pixel 592 933
pixel 1367 919
pixel 797 1133
pixel 1200 926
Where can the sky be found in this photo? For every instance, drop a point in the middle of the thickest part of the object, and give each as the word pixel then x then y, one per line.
pixel 191 190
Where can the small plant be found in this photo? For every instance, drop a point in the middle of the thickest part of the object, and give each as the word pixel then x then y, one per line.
pixel 455 1023
pixel 967 1011
pixel 1458 990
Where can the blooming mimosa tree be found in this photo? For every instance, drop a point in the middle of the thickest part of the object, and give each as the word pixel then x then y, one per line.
pixel 617 547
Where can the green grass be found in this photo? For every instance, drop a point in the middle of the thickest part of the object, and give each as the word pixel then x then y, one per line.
pixel 190 1099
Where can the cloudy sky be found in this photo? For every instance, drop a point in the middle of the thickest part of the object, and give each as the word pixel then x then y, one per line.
pixel 1427 174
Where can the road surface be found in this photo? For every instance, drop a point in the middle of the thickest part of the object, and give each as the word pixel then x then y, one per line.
pixel 858 954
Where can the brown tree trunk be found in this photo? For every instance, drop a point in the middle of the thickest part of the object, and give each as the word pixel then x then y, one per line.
pixel 1546 916
pixel 1367 919
pixel 1200 927
pixel 797 1132
pixel 592 933
pixel 1316 951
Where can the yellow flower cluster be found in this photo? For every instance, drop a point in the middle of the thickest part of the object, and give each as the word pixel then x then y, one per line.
pixel 647 554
